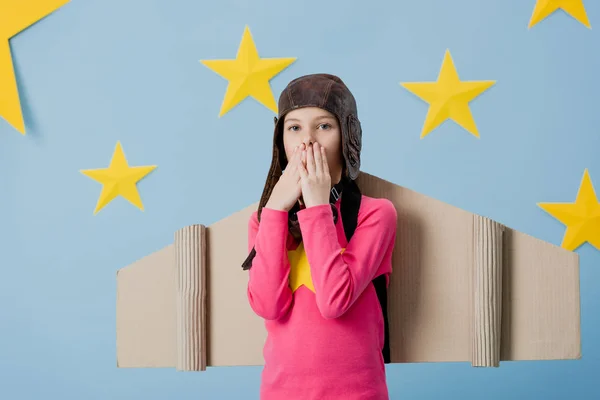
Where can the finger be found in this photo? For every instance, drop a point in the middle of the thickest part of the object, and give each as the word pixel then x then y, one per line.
pixel 303 154
pixel 302 172
pixel 324 161
pixel 318 159
pixel 297 163
pixel 310 160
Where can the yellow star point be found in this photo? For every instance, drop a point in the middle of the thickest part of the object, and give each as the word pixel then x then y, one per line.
pixel 119 179
pixel 581 218
pixel 575 8
pixel 248 75
pixel 448 98
pixel 15 16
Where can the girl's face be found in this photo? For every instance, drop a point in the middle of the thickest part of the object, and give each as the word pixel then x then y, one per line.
pixel 313 124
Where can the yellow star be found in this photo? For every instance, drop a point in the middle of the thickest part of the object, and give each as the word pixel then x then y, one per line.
pixel 248 75
pixel 118 179
pixel 15 16
pixel 448 98
pixel 582 217
pixel 300 269
pixel 575 8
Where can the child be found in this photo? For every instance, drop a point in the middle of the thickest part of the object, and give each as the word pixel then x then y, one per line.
pixel 323 297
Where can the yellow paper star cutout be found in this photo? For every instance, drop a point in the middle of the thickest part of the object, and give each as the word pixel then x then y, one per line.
pixel 248 75
pixel 582 218
pixel 119 179
pixel 448 98
pixel 300 269
pixel 15 16
pixel 575 8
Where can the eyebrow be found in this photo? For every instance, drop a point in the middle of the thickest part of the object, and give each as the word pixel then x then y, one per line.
pixel 317 118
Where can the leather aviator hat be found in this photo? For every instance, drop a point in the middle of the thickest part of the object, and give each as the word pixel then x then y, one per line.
pixel 328 92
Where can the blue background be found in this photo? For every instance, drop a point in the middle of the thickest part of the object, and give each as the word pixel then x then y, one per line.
pixel 95 72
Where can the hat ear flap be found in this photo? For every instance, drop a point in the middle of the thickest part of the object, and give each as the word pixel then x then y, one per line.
pixel 275 172
pixel 353 145
pixel 278 143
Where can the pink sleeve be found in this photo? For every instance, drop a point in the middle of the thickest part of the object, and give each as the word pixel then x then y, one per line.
pixel 340 278
pixel 268 292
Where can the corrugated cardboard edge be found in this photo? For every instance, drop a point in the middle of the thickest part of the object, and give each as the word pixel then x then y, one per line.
pixel 487 292
pixel 190 262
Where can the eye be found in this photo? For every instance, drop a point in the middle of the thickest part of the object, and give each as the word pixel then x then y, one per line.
pixel 293 127
pixel 325 126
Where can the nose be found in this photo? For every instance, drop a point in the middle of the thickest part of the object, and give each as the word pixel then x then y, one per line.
pixel 309 138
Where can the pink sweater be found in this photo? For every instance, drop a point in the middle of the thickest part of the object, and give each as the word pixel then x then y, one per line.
pixel 324 344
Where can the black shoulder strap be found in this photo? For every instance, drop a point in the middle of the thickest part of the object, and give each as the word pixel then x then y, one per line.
pixel 350 206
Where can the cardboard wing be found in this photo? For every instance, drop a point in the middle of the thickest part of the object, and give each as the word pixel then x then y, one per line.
pixel 464 288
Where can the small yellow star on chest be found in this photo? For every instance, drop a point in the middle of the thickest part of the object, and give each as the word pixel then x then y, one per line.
pixel 300 269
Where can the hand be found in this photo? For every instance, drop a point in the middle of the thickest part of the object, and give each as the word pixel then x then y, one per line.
pixel 314 178
pixel 287 190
